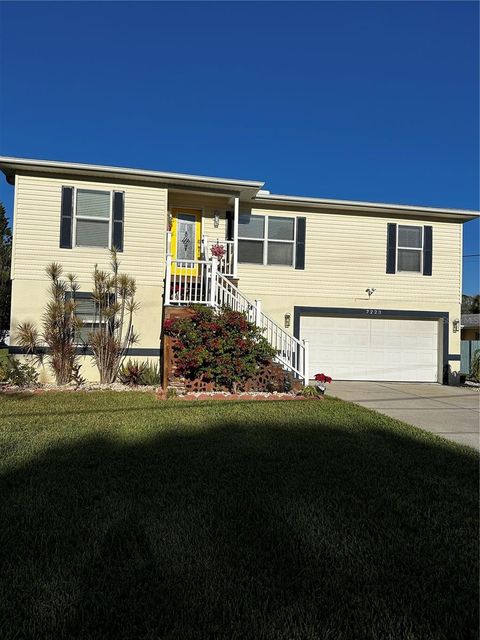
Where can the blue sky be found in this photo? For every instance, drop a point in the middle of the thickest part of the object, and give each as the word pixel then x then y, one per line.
pixel 366 101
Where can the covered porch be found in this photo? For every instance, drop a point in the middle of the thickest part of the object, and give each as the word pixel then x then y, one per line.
pixel 197 273
pixel 200 226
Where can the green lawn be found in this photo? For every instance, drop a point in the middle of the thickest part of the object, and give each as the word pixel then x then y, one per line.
pixel 124 517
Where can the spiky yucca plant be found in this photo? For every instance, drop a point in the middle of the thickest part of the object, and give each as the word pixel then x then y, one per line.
pixel 59 325
pixel 113 334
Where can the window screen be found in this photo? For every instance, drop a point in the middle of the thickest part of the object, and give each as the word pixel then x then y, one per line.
pixel 251 234
pixel 85 311
pixel 251 226
pixel 409 260
pixel 250 251
pixel 280 228
pixel 92 218
pixel 409 252
pixel 410 237
pixel 281 232
pixel 266 239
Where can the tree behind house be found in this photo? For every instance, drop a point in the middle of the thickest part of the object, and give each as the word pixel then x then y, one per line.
pixel 5 282
pixel 471 304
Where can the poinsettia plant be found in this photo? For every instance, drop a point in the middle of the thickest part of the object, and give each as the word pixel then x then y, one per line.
pixel 322 380
pixel 321 377
pixel 217 251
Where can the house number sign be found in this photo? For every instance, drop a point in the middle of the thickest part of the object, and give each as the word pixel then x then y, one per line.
pixel 373 312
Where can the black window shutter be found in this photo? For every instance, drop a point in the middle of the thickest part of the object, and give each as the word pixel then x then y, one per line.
pixel 391 247
pixel 117 232
pixel 300 243
pixel 66 218
pixel 229 216
pixel 427 250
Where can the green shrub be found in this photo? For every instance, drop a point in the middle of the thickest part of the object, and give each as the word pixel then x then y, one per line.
pixel 310 392
pixel 131 373
pixel 151 374
pixel 136 373
pixel 3 354
pixel 222 346
pixel 21 374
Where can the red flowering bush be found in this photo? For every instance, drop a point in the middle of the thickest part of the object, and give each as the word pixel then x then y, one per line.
pixel 220 345
pixel 168 325
pixel 321 377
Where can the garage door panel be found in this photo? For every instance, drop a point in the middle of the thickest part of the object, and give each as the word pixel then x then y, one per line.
pixel 351 348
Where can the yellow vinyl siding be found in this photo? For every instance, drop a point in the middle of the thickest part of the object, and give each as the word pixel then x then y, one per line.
pixel 29 298
pixel 36 243
pixel 37 230
pixel 345 254
pixel 208 205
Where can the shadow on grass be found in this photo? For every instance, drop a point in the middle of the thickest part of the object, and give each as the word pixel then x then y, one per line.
pixel 240 532
pixel 17 395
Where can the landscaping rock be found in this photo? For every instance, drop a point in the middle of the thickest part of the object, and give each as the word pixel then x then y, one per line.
pixel 89 386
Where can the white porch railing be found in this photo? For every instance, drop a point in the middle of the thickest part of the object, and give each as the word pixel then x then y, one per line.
pixel 227 264
pixel 189 282
pixel 200 282
pixel 291 352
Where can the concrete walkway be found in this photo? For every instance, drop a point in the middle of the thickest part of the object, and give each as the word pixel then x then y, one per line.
pixel 450 412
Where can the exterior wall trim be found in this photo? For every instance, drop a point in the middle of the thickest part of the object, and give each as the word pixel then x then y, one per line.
pixel 382 313
pixel 86 351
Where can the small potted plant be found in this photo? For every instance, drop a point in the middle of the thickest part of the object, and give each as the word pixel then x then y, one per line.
pixel 322 380
pixel 218 251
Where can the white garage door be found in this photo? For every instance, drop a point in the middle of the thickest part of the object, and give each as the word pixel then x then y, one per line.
pixel 372 348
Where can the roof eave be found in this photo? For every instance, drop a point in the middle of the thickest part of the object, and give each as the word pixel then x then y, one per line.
pixel 10 166
pixel 365 207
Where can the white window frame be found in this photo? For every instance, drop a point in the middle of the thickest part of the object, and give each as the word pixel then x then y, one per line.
pixel 420 249
pixel 266 240
pixel 91 218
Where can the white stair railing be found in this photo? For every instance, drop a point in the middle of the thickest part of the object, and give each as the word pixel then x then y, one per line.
pixel 200 282
pixel 291 352
pixel 228 295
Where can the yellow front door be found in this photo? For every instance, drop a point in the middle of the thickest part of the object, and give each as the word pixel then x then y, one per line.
pixel 186 240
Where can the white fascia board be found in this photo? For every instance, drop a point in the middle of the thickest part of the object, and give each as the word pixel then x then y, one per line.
pixel 13 164
pixel 360 206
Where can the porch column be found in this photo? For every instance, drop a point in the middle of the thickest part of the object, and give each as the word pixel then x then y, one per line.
pixel 236 211
pixel 168 269
pixel 168 277
pixel 306 363
pixel 213 282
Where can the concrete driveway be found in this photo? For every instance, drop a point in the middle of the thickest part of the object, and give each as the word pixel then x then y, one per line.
pixel 450 412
